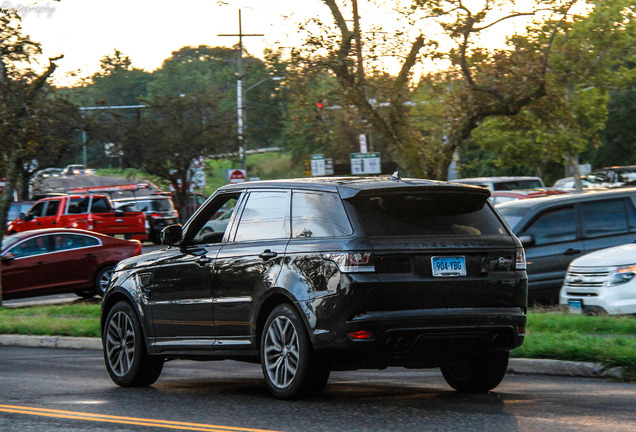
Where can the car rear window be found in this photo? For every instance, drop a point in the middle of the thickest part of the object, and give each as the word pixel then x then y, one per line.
pixel 427 213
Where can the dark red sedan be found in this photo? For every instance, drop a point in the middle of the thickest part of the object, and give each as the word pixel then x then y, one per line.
pixel 60 260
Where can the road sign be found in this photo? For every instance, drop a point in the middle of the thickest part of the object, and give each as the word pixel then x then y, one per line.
pixel 366 163
pixel 237 176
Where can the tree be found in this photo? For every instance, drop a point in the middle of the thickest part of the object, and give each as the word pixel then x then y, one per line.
pixel 485 83
pixel 586 63
pixel 20 90
pixel 174 131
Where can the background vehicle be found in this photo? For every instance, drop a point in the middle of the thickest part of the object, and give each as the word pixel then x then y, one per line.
pixel 90 212
pixel 602 282
pixel 16 208
pixel 503 183
pixel 314 275
pixel 499 197
pixel 159 211
pixel 52 261
pixel 76 170
pixel 555 230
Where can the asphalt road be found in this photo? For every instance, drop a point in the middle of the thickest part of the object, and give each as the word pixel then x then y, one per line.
pixel 54 390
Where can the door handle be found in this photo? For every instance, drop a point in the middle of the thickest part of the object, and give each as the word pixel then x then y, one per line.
pixel 571 252
pixel 203 261
pixel 267 254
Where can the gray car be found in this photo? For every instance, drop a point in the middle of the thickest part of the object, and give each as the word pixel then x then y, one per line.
pixel 557 229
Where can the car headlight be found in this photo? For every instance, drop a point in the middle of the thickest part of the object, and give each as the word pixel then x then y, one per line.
pixel 623 275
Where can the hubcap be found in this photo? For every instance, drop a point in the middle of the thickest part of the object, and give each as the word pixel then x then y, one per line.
pixel 120 343
pixel 282 352
pixel 104 280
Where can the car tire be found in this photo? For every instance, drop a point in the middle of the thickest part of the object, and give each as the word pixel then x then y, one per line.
pixel 290 368
pixel 477 374
pixel 127 360
pixel 101 280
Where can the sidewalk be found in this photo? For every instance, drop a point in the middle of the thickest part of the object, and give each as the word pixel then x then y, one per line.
pixel 516 365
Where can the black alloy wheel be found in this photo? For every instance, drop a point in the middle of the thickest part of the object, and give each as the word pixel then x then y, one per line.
pixel 290 366
pixel 127 360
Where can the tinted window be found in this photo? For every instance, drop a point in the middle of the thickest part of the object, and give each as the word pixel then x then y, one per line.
pixel 318 215
pixel 37 209
pixel 554 226
pixel 51 209
pixel 517 184
pixel 266 216
pixel 605 217
pixel 513 215
pixel 34 246
pixel 72 241
pixel 78 205
pixel 407 214
pixel 100 205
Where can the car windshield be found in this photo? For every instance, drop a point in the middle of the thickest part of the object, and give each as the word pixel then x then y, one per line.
pixel 513 215
pixel 408 214
pixel 160 205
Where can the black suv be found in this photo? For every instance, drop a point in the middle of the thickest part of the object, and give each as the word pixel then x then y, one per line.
pixel 315 275
pixel 159 211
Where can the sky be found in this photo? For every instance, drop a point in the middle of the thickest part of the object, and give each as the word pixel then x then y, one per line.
pixel 148 31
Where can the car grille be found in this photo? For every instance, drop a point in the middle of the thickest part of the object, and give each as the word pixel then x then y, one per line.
pixel 584 282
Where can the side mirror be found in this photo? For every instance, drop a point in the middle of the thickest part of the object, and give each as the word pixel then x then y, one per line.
pixel 527 240
pixel 171 235
pixel 9 256
pixel 24 217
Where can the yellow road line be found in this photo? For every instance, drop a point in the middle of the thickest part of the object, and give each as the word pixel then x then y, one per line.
pixel 122 420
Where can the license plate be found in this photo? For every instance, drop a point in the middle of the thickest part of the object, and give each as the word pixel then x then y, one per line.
pixel 576 306
pixel 448 266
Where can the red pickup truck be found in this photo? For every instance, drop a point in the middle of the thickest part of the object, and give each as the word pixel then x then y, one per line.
pixel 86 211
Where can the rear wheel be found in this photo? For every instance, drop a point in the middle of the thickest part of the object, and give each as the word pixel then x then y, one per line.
pixel 102 278
pixel 127 360
pixel 477 374
pixel 289 365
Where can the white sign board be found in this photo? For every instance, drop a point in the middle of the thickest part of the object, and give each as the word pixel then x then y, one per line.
pixel 365 163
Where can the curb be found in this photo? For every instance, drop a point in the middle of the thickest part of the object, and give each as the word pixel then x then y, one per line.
pixel 516 365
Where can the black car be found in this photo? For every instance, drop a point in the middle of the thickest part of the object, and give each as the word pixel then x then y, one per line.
pixel 315 275
pixel 159 211
pixel 556 229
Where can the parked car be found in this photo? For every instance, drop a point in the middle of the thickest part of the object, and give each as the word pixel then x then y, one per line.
pixel 83 211
pixel 53 261
pixel 159 211
pixel 76 170
pixel 504 183
pixel 315 275
pixel 557 229
pixel 498 197
pixel 602 282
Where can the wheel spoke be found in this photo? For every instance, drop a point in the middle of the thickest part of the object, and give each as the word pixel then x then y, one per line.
pixel 120 343
pixel 281 352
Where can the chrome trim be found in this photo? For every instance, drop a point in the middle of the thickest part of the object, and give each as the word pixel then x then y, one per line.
pixel 232 342
pixel 184 302
pixel 186 342
pixel 223 300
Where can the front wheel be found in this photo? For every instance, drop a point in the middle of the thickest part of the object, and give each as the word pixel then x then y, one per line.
pixel 477 374
pixel 127 360
pixel 290 366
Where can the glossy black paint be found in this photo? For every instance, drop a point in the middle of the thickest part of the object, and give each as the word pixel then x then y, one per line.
pixel 210 301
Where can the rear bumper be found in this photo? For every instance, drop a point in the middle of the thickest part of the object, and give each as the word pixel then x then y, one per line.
pixel 422 337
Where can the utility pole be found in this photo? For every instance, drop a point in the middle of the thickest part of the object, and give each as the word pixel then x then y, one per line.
pixel 240 108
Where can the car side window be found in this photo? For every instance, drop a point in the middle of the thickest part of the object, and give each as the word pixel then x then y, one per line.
pixel 266 216
pixel 37 209
pixel 51 209
pixel 34 246
pixel 554 226
pixel 605 217
pixel 100 205
pixel 316 214
pixel 78 205
pixel 212 224
pixel 72 241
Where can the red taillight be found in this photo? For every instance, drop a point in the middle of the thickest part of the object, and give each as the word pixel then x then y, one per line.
pixel 520 259
pixel 138 248
pixel 521 330
pixel 352 262
pixel 156 216
pixel 360 335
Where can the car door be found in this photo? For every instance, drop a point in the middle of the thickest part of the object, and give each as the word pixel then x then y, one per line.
pixel 26 272
pixel 556 241
pixel 249 264
pixel 73 260
pixel 608 222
